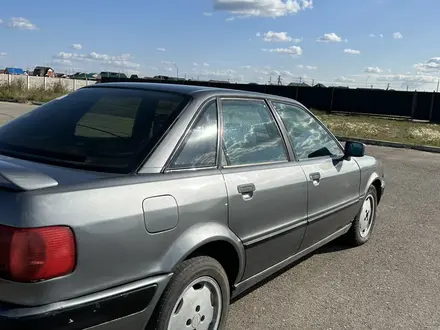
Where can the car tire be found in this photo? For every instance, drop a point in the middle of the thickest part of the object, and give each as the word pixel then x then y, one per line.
pixel 185 300
pixel 363 224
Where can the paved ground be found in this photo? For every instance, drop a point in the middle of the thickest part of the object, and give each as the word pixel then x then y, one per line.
pixel 10 111
pixel 393 282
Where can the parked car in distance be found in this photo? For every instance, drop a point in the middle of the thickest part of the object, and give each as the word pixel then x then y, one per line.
pixel 149 206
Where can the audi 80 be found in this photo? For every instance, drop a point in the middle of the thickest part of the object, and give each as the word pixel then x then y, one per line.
pixel 150 206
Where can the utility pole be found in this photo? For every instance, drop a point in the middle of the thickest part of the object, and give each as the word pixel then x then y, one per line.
pixel 438 83
pixel 313 82
pixel 388 86
pixel 270 80
pixel 279 80
pixel 300 80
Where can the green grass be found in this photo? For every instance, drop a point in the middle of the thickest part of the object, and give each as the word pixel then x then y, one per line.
pixel 385 129
pixel 17 92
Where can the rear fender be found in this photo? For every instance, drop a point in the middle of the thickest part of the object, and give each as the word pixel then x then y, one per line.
pixel 196 237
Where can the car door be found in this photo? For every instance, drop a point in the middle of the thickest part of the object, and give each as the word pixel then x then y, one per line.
pixel 267 194
pixel 333 181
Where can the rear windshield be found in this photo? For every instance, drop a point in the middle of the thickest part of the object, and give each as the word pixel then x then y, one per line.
pixel 100 128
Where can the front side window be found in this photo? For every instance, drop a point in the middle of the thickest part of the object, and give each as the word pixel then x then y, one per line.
pixel 250 134
pixel 200 148
pixel 308 137
pixel 98 128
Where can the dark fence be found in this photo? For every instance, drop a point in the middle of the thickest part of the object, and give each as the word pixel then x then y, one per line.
pixel 414 105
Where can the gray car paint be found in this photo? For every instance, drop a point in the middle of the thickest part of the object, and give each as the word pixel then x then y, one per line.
pixel 107 215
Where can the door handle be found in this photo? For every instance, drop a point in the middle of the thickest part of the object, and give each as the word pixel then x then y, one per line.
pixel 246 190
pixel 315 177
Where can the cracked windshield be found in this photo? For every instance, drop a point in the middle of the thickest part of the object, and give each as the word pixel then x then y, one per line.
pixel 219 165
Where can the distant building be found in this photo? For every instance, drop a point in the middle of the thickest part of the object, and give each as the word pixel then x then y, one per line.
pixel 320 85
pixel 301 84
pixel 43 71
pixel 17 71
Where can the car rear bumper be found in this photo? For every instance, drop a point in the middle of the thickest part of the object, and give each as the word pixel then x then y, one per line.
pixel 126 307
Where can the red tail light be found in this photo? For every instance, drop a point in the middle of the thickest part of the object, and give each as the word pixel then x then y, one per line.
pixel 36 254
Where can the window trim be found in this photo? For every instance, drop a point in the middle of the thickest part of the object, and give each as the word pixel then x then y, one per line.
pixel 271 114
pixel 307 111
pixel 187 134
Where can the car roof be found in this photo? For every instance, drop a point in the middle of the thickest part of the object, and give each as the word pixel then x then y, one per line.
pixel 193 90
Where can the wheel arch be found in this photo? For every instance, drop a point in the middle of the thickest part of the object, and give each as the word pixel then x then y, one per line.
pixel 375 181
pixel 210 239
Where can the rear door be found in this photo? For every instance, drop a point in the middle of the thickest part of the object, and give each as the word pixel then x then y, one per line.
pixel 333 182
pixel 267 194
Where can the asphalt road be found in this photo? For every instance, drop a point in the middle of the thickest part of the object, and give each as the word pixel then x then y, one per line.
pixel 10 111
pixel 392 282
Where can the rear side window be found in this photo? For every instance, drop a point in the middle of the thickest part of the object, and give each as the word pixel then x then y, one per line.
pixel 99 128
pixel 200 148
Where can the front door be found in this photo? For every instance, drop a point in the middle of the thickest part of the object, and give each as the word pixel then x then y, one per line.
pixel 267 194
pixel 333 182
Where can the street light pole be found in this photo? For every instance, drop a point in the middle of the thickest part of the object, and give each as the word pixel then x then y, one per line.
pixel 177 69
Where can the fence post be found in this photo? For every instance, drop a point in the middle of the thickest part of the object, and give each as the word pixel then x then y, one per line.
pixel 28 82
pixel 432 106
pixel 9 79
pixel 414 105
pixel 45 82
pixel 331 101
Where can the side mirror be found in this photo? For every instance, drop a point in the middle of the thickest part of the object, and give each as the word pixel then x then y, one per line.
pixel 354 149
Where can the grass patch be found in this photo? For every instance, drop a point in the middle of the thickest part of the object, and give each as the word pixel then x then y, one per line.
pixel 393 130
pixel 17 92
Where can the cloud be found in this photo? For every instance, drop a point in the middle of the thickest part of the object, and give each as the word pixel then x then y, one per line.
pixel 309 67
pixel 409 80
pixel 343 79
pixel 433 64
pixel 195 64
pixel 76 46
pixel 207 14
pixel 160 49
pixel 246 67
pixel 397 35
pixel 371 69
pixel 21 23
pixel 352 51
pixel 227 74
pixel 120 61
pixel 292 50
pixel 329 37
pixel 3 54
pixel 272 36
pixel 62 62
pixel 262 8
pixel 372 35
pixel 205 64
pixel 381 35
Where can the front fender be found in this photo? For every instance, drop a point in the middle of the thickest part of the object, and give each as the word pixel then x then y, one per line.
pixel 197 236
